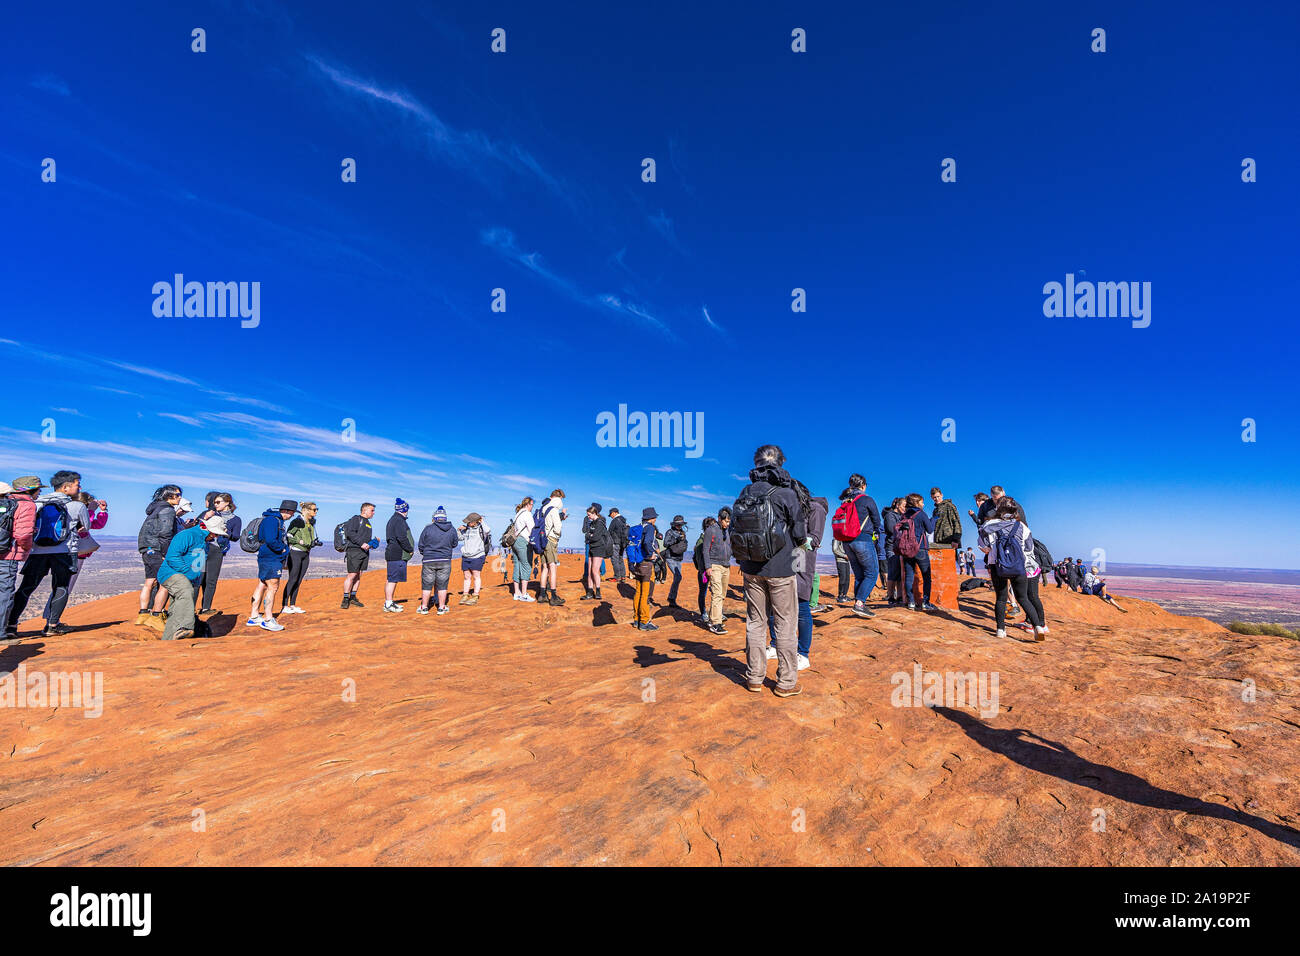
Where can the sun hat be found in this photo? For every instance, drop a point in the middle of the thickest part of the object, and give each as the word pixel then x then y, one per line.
pixel 215 524
pixel 27 483
pixel 288 504
pixel 648 513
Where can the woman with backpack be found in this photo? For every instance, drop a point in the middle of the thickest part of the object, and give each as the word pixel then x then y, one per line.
pixel 475 539
pixel 599 548
pixel 911 541
pixel 1010 548
pixel 218 503
pixel 516 539
pixel 302 537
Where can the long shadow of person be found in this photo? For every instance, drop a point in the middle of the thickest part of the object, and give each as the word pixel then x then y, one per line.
pixel 647 656
pixel 1049 757
pixel 730 668
pixel 602 614
pixel 626 590
pixel 15 654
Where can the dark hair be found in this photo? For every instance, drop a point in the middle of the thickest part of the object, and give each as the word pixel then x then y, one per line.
pixel 615 511
pixel 857 481
pixel 981 497
pixel 724 513
pixel 595 506
pixel 996 488
pixel 557 493
pixel 62 478
pixel 846 494
pixel 163 492
pixel 893 505
pixel 935 490
pixel 708 522
pixel 365 505
pixel 769 455
pixel 1007 508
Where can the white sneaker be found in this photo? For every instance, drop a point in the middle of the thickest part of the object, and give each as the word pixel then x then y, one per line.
pixel 271 625
pixel 527 598
pixel 804 663
pixel 253 621
pixel 771 653
pixel 443 610
pixel 392 608
pixel 1002 632
pixel 298 610
pixel 514 597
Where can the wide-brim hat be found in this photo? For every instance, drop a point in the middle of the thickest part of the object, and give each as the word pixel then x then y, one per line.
pixel 648 513
pixel 27 483
pixel 214 524
pixel 288 505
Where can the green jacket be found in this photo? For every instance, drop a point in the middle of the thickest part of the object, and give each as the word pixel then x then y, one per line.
pixel 947 524
pixel 301 534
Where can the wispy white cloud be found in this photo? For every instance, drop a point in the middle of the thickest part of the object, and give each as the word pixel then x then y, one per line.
pixel 183 419
pixel 662 468
pixel 154 373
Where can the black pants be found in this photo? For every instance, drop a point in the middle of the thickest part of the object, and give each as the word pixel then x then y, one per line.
pixel 211 572
pixel 60 567
pixel 845 571
pixel 910 565
pixel 298 561
pixel 1020 586
pixel 1060 578
pixel 704 591
pixel 1034 600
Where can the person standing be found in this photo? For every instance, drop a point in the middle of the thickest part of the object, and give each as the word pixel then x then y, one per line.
pixel 97 516
pixel 675 544
pixel 862 551
pixel 218 503
pixel 717 560
pixel 302 538
pixel 181 571
pixel 1009 546
pixel 155 535
pixel 272 554
pixel 913 546
pixel 553 515
pixel 437 541
pixel 60 516
pixel 475 539
pixel 617 542
pixel 521 529
pixel 702 569
pixel 815 511
pixel 598 549
pixel 947 523
pixel 398 548
pixel 360 537
pixel 21 503
pixel 767 526
pixel 641 553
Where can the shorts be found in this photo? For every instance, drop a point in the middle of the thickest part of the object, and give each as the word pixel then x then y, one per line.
pixel 473 564
pixel 152 562
pixel 269 568
pixel 551 554
pixel 396 572
pixel 358 559
pixel 434 575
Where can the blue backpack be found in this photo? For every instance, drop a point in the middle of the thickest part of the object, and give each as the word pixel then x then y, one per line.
pixel 537 538
pixel 1008 555
pixel 634 555
pixel 53 526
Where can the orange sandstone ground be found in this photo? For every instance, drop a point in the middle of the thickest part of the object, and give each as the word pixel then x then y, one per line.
pixel 516 734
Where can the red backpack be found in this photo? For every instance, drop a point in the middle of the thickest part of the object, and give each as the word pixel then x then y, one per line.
pixel 846 525
pixel 905 540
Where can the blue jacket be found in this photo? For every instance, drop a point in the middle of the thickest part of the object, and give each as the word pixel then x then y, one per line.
pixel 271 535
pixel 437 541
pixel 187 554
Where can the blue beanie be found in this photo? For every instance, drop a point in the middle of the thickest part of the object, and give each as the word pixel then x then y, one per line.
pixel 440 514
pixel 401 507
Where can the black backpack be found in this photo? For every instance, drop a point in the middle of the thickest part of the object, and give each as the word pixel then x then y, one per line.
pixel 756 536
pixel 698 556
pixel 1043 556
pixel 677 549
pixel 341 536
pixel 8 508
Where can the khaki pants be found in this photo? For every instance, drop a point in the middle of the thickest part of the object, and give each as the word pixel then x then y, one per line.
pixel 780 596
pixel 181 615
pixel 718 575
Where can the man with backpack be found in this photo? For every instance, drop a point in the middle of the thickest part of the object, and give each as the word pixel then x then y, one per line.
pixel 675 545
pixel 767 525
pixel 857 523
pixel 17 537
pixel 181 571
pixel 59 519
pixel 546 540
pixel 358 539
pixel 266 536
pixel 641 551
pixel 617 542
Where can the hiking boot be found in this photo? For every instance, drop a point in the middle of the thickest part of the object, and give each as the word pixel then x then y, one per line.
pixel 347 602
pixel 598 597
pixel 156 623
pixel 142 619
pixel 556 600
pixel 56 630
pixel 587 595
pixel 794 691
pixel 356 602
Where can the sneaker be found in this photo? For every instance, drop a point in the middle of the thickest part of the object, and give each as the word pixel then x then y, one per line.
pixel 473 599
pixel 356 602
pixel 804 663
pixel 55 630
pixel 295 609
pixel 911 606
pixel 391 608
pixel 421 610
pixel 794 691
pixel 443 610
pixel 717 629
pixel 771 653
pixel 556 600
pixel 1002 632
pixel 254 621
pixel 647 626
pixel 271 625
pixel 1040 634
pixel 753 688
pixel 927 606
pixel 528 599
pixel 347 602
pixel 864 612
pixel 182 634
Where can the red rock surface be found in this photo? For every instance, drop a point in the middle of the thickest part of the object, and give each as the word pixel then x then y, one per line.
pixel 511 733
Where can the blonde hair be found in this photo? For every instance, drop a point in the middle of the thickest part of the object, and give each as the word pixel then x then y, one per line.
pixel 307 504
pixel 527 502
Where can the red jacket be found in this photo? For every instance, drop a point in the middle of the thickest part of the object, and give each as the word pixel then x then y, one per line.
pixel 24 529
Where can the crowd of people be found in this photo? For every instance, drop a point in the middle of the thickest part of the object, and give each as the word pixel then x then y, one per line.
pixel 772 530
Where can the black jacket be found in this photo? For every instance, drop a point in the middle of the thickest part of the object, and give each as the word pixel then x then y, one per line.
pixel 598 542
pixel 400 546
pixel 789 519
pixel 158 529
pixel 675 543
pixel 358 532
pixel 618 533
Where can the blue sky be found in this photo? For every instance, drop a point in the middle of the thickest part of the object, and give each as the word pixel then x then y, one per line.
pixel 775 170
